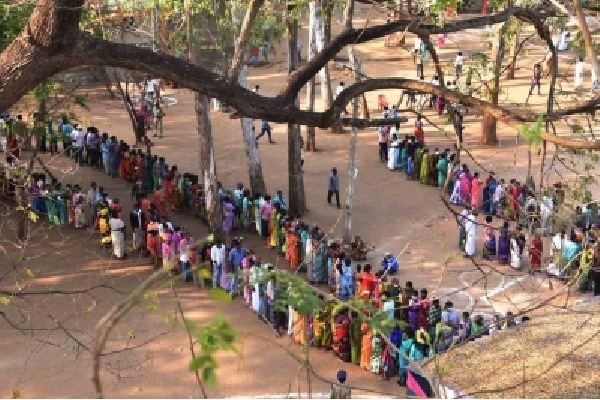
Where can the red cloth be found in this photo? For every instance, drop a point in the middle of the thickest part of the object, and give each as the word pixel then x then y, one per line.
pixel 536 250
pixel 13 145
pixel 367 284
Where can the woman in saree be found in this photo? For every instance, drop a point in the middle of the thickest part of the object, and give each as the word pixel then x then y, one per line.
pixel 342 336
pixel 404 154
pixel 258 202
pixel 465 186
pixel 504 244
pixel 246 210
pixel 407 344
pixel 489 239
pixel 281 238
pixel 274 227
pixel 417 162
pixel 292 253
pixel 176 197
pixel 376 353
pixel 355 338
pixel 129 165
pixel 535 252
pixel 365 348
pixel 122 155
pixel 299 328
pixel 346 280
pixel 172 176
pixel 148 178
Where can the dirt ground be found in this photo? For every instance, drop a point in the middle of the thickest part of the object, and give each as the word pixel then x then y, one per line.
pixel 390 214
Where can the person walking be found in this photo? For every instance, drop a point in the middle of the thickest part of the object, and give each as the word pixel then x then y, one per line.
pixel 158 120
pixel 266 128
pixel 419 62
pixel 334 187
pixel 536 80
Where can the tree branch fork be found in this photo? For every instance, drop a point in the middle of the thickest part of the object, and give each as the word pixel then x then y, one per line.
pixel 59 45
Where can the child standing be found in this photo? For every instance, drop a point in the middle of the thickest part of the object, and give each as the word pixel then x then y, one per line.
pixel 458 64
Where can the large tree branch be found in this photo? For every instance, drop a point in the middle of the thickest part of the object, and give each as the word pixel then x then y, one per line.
pixel 301 76
pixel 23 65
pixel 241 42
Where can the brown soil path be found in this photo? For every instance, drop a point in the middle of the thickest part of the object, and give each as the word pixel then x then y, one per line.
pixel 389 213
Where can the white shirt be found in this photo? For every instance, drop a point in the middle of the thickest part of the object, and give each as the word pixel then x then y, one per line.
pixel 79 138
pixel 184 248
pixel 116 224
pixel 557 244
pixel 458 61
pixel 150 86
pixel 270 290
pixel 546 205
pixel 417 43
pixel 339 90
pixel 451 316
pixel 217 254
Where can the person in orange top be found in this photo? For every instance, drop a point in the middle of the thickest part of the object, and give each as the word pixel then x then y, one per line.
pixel 365 348
pixel 159 202
pixel 145 207
pixel 153 246
pixel 367 284
pixel 292 253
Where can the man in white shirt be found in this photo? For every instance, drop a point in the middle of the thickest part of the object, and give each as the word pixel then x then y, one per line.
pixel 450 316
pixel 117 233
pixel 184 258
pixel 79 140
pixel 546 208
pixel 149 86
pixel 217 257
pixel 458 64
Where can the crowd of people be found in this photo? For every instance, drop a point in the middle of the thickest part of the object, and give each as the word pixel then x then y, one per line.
pixel 420 325
pixel 512 202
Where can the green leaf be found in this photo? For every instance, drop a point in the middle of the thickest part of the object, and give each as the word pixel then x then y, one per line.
pixel 5 301
pixel 219 295
pixel 209 376
pixel 200 362
pixel 80 101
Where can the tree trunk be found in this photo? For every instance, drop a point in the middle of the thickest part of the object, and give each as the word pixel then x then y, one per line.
pixel 208 166
pixel 489 123
pixel 257 180
pixel 352 171
pixel 239 71
pixel 587 37
pixel 208 162
pixel 322 37
pixel 327 12
pixel 297 198
pixel 310 93
pixel 512 68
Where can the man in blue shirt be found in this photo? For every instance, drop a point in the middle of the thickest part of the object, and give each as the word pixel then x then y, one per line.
pixel 236 255
pixel 390 264
pixel 266 128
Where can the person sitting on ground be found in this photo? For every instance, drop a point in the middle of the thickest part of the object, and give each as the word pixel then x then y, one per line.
pixel 359 249
pixel 390 264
